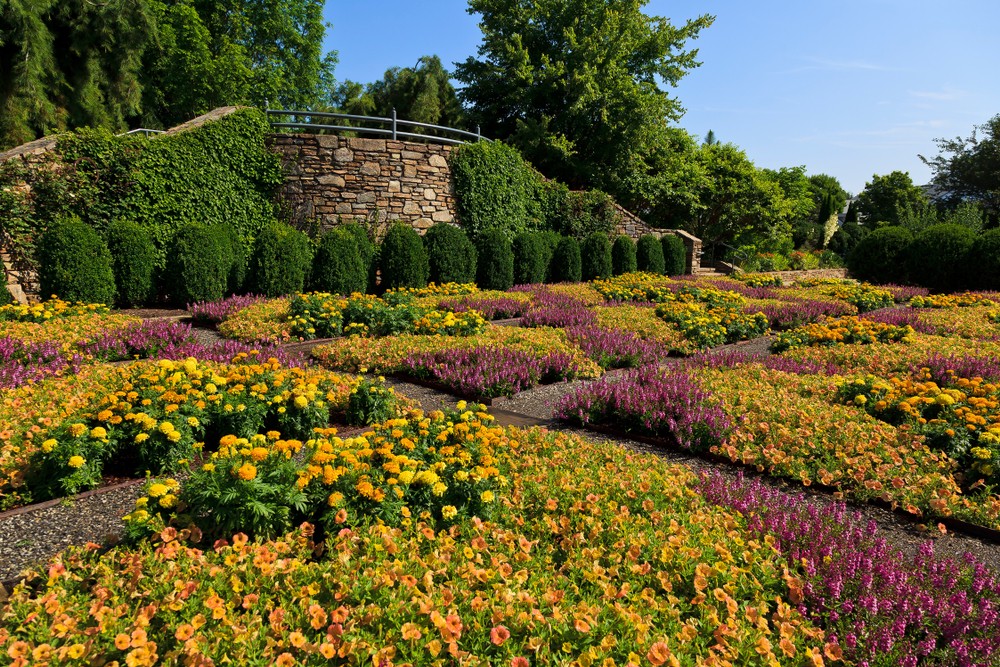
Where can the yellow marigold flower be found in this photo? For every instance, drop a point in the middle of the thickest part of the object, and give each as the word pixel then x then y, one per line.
pixel 860 399
pixel 193 422
pixel 247 472
pixel 449 511
pixel 76 430
pixel 141 437
pixel 258 454
pixel 335 499
pixel 158 490
pixel 168 500
pixel 439 488
pixel 166 427
pixel 49 445
pixel 208 467
pixel 76 461
pixel 487 496
pixel 301 402
pixel 406 476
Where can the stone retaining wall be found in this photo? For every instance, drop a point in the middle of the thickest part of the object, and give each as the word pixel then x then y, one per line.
pixel 329 179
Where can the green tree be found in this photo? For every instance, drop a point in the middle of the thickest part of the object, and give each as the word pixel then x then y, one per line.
pixel 797 191
pixel 823 186
pixel 969 169
pixel 576 84
pixel 885 198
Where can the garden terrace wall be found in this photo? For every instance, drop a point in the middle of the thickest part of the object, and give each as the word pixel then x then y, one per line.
pixel 330 178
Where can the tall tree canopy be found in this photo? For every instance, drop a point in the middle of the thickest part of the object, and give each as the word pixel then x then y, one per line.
pixel 969 169
pixel 423 93
pixel 115 63
pixel 885 199
pixel 575 84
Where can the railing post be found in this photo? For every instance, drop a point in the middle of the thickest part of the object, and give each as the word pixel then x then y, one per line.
pixel 479 134
pixel 394 123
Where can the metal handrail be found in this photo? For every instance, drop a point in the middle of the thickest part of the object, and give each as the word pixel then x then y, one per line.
pixel 145 132
pixel 393 131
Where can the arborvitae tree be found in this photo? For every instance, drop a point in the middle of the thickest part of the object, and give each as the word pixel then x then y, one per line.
pixel 566 261
pixel 623 255
pixel 649 254
pixel 403 258
pixel 595 256
pixel 451 255
pixel 495 268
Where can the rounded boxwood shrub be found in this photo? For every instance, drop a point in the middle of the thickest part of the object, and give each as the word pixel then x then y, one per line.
pixel 403 259
pixel 649 254
pixel 984 259
pixel 496 261
pixel 938 257
pixel 235 255
pixel 566 264
pixel 531 258
pixel 133 260
pixel 338 266
pixel 281 260
pixel 595 255
pixel 879 256
pixel 74 263
pixel 549 241
pixel 450 254
pixel 674 255
pixel 194 270
pixel 623 255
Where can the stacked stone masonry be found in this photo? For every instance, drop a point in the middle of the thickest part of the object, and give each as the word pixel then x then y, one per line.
pixel 329 179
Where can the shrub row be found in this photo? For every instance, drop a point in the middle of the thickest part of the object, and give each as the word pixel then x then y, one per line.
pixel 942 257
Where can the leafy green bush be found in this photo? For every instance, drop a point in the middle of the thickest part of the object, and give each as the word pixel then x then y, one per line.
pixel 595 253
pixel 132 262
pixel 846 237
pixel 879 256
pixel 403 259
pixel 531 258
pixel 74 263
pixel 566 262
pixel 984 261
pixel 371 402
pixel 338 266
pixel 649 254
pixel 554 205
pixel 674 255
pixel 196 272
pixel 450 254
pixel 938 257
pixel 495 188
pixel 235 255
pixel 623 255
pixel 281 261
pixel 582 213
pixel 549 240
pixel 496 261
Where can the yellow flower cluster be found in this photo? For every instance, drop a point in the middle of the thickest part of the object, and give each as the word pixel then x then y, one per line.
pixel 44 311
pixel 263 322
pixel 962 300
pixel 841 330
pixel 438 323
pixel 435 290
pixel 630 286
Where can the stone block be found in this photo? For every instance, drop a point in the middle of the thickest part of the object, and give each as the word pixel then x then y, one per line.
pixel 411 155
pixel 411 208
pixel 429 194
pixel 409 171
pixel 328 141
pixel 332 180
pixel 438 161
pixel 371 168
pixel 343 155
pixel 442 216
pixel 423 224
pixel 374 145
pixel 366 198
pixel 394 186
pixel 344 207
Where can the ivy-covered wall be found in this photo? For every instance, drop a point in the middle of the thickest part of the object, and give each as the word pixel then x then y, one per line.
pixel 213 169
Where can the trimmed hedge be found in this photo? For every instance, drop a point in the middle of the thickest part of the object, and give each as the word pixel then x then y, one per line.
pixel 236 256
pixel 880 256
pixel 74 263
pixel 133 260
pixel 450 254
pixel 338 266
pixel 198 270
pixel 984 260
pixel 403 259
pixel 938 257
pixel 281 261
pixel 495 189
pixel 496 261
pixel 566 262
pixel 550 240
pixel 674 255
pixel 649 254
pixel 595 255
pixel 623 255
pixel 531 258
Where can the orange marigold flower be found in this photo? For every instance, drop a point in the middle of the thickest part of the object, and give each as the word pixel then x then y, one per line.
pixel 247 472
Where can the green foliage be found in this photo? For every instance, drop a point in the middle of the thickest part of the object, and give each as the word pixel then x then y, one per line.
pixel 550 240
pixel 495 189
pixel 75 264
pixel 846 237
pixel 825 188
pixel 132 261
pixel 496 261
pixel 623 256
pixel 554 204
pixel 984 260
pixel 674 255
pixel 403 259
pixel 885 198
pixel 531 258
pixel 236 255
pixel 281 261
pixel 577 86
pixel 366 248
pixel 878 256
pixel 371 402
pixel 968 170
pixel 422 93
pixel 566 266
pixel 595 255
pixel 198 270
pixel 450 254
pixel 584 213
pixel 649 254
pixel 338 266
pixel 938 257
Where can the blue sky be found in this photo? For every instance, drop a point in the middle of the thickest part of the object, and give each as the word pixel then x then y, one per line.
pixel 849 88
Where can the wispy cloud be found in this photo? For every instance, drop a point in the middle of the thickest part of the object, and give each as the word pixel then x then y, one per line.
pixel 946 94
pixel 834 65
